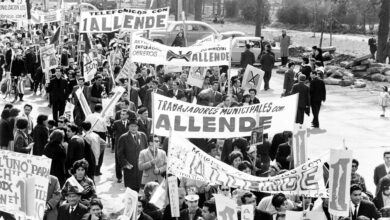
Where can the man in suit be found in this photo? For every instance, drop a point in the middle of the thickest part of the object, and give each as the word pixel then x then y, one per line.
pixel 78 113
pixel 148 98
pixel 144 88
pixel 267 61
pixel 209 211
pixel 134 96
pixel 130 145
pixel 57 89
pixel 75 146
pixel 152 161
pixel 143 76
pixel 53 198
pixel 73 209
pixel 140 210
pixel 253 99
pixel 125 105
pixel 175 92
pixel 144 123
pixel 285 42
pixel 250 199
pixel 303 100
pixel 283 154
pixel 120 127
pixel 317 96
pixel 360 207
pixel 193 212
pixel 288 79
pixel 237 91
pixel 167 84
pixel 247 57
pixel 216 96
pixel 383 169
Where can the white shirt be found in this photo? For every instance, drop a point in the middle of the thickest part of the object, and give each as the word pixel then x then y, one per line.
pixel 95 141
pixel 387 169
pixel 72 208
pixel 100 125
pixel 352 207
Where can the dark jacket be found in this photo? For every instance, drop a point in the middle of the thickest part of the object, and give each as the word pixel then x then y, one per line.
pixel 57 153
pixel 30 59
pixel 21 142
pixel 180 94
pixel 88 217
pixel 184 214
pixel 379 172
pixel 304 94
pixel 40 136
pixel 317 90
pixel 77 214
pixel 144 216
pixel 76 151
pixel 288 81
pixel 267 61
pixel 153 211
pixel 284 150
pixel 148 100
pixel 18 67
pixel 118 128
pixel 58 89
pixel 247 57
pixel 368 209
pixel 5 132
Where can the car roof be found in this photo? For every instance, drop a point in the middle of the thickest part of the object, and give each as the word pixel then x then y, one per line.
pixel 192 22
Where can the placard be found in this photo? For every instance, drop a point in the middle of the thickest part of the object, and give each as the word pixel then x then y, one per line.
pixel 247 212
pixel 174 196
pixel 13 10
pixel 196 76
pixel 300 135
pixel 48 57
pixel 253 77
pixel 226 207
pixel 90 67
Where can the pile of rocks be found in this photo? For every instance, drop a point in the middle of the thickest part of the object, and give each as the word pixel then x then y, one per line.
pixel 366 68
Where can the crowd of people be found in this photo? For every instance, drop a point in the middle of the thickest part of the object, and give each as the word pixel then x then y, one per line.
pixel 77 144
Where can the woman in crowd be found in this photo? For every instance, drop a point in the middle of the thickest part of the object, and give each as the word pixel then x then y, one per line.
pixel 40 135
pixel 56 151
pixel 235 158
pixel 5 129
pixel 14 112
pixel 22 140
pixel 80 177
pixel 245 100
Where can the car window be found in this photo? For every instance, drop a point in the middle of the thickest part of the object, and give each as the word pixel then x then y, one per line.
pixel 204 28
pixel 178 27
pixel 240 43
pixel 254 43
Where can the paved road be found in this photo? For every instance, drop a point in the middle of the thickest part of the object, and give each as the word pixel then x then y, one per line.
pixel 350 114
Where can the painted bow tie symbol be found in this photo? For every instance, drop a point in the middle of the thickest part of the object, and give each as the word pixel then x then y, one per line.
pixel 253 78
pixel 172 55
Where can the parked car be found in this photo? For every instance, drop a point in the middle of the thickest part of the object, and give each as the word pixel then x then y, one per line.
pixel 232 34
pixel 195 30
pixel 238 46
pixel 103 4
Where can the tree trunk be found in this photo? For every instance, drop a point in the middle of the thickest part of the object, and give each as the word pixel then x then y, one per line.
pixel 259 17
pixel 383 31
pixel 198 10
pixel 322 33
pixel 173 9
pixel 219 7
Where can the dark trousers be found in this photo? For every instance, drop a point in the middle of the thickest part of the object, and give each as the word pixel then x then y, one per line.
pixel 267 78
pixel 284 61
pixel 300 115
pixel 118 169
pixel 372 51
pixel 58 108
pixel 100 162
pixel 315 108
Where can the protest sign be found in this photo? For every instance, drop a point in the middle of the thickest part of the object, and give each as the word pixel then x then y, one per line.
pixel 83 102
pixel 194 121
pixel 205 40
pixel 305 215
pixel 69 107
pixel 226 207
pixel 160 196
pixel 25 179
pixel 247 212
pixel 257 135
pixel 196 76
pixel 253 77
pixel 90 67
pixel 299 137
pixel 340 166
pixel 127 71
pixel 187 160
pixel 118 92
pixel 174 196
pixel 12 10
pixel 48 57
pixel 40 17
pixel 216 54
pixel 130 201
pixel 123 19
pixel 172 69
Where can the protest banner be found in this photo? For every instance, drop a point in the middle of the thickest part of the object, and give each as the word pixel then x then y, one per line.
pixel 172 69
pixel 40 17
pixel 340 167
pixel 127 71
pixel 194 121
pixel 226 207
pixel 123 19
pixel 187 160
pixel 173 190
pixel 90 67
pixel 48 57
pixel 205 40
pixel 216 54
pixel 25 180
pixel 253 77
pixel 130 201
pixel 196 76
pixel 305 215
pixel 118 92
pixel 300 135
pixel 68 113
pixel 83 102
pixel 12 10
pixel 247 212
pixel 160 196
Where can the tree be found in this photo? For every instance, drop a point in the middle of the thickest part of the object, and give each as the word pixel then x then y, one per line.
pixel 383 30
pixel 259 17
pixel 198 10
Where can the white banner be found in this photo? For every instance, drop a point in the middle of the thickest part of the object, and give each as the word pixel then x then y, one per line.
pixel 253 77
pixel 130 202
pixel 226 207
pixel 160 196
pixel 13 10
pixel 40 17
pixel 216 54
pixel 300 135
pixel 187 160
pixel 305 215
pixel 174 196
pixel 247 212
pixel 68 113
pixel 25 179
pixel 196 76
pixel 118 92
pixel 128 69
pixel 340 167
pixel 205 40
pixel 194 121
pixel 90 67
pixel 123 19
pixel 172 69
pixel 83 102
pixel 48 57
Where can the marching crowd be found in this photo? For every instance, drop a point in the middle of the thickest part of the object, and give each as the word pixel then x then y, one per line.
pixel 77 145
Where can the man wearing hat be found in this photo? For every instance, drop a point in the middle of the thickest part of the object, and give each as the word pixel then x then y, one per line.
pixel 144 123
pixel 73 209
pixel 130 145
pixel 303 100
pixel 193 212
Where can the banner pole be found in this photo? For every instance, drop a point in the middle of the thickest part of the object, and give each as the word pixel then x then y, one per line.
pixel 128 74
pixel 229 70
pixel 184 28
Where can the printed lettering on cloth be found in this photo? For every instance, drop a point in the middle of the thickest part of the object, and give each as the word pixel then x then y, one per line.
pixel 90 67
pixel 83 102
pixel 253 77
pixel 195 121
pixel 226 207
pixel 123 19
pixel 48 57
pixel 187 160
pixel 25 179
pixel 174 196
pixel 216 54
pixel 207 39
pixel 300 135
pixel 39 17
pixel 340 167
pixel 13 10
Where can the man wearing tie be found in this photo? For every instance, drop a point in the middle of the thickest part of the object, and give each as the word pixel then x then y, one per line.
pixel 360 207
pixel 119 127
pixel 148 98
pixel 175 91
pixel 144 123
pixel 216 97
pixel 73 209
pixel 130 145
pixel 237 91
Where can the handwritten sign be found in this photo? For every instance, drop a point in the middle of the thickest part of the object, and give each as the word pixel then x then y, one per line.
pixel 300 136
pixel 226 207
pixel 247 212
pixel 174 196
